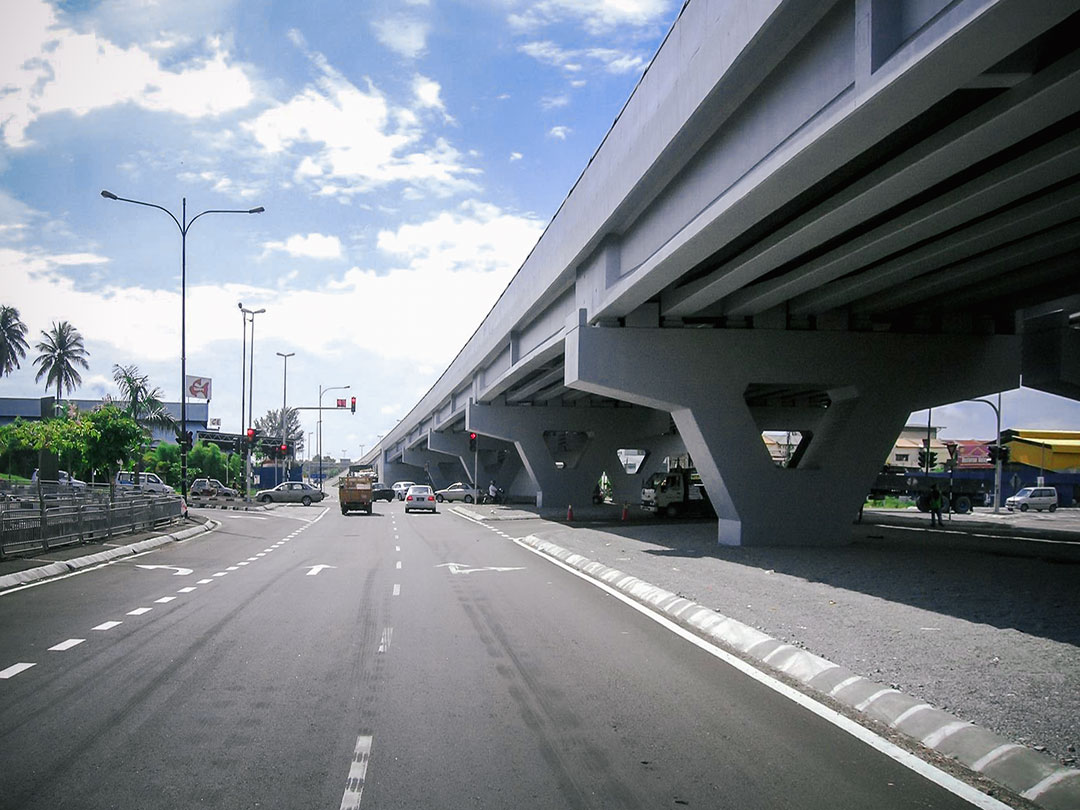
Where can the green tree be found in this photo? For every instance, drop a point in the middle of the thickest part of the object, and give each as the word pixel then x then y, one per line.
pixel 270 425
pixel 61 350
pixel 111 438
pixel 165 461
pixel 12 339
pixel 142 403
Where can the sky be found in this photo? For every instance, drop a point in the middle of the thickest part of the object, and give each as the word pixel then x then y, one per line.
pixel 408 156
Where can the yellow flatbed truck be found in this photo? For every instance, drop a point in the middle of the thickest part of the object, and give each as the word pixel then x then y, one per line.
pixel 354 493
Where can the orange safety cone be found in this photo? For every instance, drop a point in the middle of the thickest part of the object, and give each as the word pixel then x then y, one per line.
pixel 569 513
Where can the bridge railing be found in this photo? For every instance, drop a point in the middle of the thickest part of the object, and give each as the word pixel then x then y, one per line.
pixel 33 521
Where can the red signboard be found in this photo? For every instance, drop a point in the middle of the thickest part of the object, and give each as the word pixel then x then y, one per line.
pixel 341 403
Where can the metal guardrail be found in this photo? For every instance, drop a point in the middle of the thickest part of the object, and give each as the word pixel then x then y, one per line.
pixel 57 515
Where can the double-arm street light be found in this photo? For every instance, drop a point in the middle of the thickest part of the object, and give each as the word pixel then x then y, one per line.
pixel 319 435
pixel 183 224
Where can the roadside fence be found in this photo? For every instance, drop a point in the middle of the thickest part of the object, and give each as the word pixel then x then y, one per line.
pixel 37 519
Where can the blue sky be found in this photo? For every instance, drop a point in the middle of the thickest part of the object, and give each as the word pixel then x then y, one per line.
pixel 408 155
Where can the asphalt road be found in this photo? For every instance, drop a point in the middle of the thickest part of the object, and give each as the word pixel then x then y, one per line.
pixel 303 659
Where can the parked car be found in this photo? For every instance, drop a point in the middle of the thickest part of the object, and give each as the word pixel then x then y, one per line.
pixel 400 488
pixel 1033 498
pixel 457 491
pixel 63 478
pixel 291 492
pixel 148 482
pixel 419 496
pixel 210 488
pixel 382 492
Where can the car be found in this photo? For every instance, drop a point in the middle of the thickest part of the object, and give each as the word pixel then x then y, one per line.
pixel 400 488
pixel 210 488
pixel 1033 498
pixel 291 492
pixel 64 478
pixel 382 492
pixel 457 491
pixel 148 482
pixel 419 497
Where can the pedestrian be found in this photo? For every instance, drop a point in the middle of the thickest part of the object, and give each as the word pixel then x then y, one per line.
pixel 493 492
pixel 936 502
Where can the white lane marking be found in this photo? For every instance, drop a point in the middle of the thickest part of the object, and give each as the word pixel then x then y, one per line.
pixel 233 568
pixel 177 571
pixel 164 600
pixel 315 569
pixel 861 733
pixel 397 548
pixel 137 612
pixel 243 563
pixel 252 559
pixel 14 670
pixel 397 590
pixel 107 626
pixel 387 637
pixel 398 566
pixel 67 645
pixel 188 589
pixel 354 786
pixel 260 554
pixel 204 582
pixel 221 574
pixel 461 568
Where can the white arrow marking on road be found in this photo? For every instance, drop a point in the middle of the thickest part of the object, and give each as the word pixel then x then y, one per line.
pixel 315 569
pixel 461 568
pixel 180 572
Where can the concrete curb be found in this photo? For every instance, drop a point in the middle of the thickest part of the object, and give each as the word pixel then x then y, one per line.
pixel 1034 776
pixel 67 566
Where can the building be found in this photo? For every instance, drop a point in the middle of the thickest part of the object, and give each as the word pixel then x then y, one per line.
pixel 30 409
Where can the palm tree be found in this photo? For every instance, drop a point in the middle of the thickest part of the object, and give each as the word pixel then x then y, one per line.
pixel 61 350
pixel 141 402
pixel 12 339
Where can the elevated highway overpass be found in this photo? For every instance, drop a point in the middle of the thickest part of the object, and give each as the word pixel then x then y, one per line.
pixel 809 216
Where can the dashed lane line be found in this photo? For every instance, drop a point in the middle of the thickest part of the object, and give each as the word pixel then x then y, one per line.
pixel 66 645
pixel 14 670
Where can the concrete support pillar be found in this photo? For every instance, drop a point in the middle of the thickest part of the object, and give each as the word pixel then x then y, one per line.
pixel 398 470
pixel 456 445
pixel 437 469
pixel 565 449
pixel 495 460
pixel 872 381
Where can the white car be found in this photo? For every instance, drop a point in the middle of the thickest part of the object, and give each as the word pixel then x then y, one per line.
pixel 457 492
pixel 400 488
pixel 419 497
pixel 148 482
pixel 1033 498
pixel 64 478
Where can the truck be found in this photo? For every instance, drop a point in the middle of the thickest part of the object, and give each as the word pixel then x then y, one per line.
pixel 354 493
pixel 674 493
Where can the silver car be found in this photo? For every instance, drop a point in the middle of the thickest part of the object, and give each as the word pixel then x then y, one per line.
pixel 419 497
pixel 458 491
pixel 291 492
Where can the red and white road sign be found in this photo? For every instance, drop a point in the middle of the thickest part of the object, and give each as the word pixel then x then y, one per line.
pixel 198 387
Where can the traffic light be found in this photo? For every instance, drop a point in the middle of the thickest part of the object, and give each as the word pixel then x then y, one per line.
pixel 352 405
pixel 472 442
pixel 284 450
pixel 185 441
pixel 993 451
pixel 251 437
pixel 923 462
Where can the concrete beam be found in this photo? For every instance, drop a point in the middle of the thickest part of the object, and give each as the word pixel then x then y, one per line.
pixel 872 382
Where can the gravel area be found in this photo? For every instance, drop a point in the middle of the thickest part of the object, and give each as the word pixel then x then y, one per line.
pixel 992 639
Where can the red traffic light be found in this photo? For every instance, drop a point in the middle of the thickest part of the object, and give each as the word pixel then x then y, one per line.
pixel 251 434
pixel 353 405
pixel 284 449
pixel 472 442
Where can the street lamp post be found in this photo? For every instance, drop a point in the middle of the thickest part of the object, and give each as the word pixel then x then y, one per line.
pixel 319 434
pixel 284 383
pixel 184 225
pixel 997 441
pixel 250 313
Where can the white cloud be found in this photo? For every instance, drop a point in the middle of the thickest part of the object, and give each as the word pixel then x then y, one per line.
pixel 559 132
pixel 364 142
pixel 311 246
pixel 554 102
pixel 515 156
pixel 48 68
pixel 595 16
pixel 403 35
pixel 608 59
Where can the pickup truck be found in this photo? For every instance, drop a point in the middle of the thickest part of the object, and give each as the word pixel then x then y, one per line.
pixel 354 493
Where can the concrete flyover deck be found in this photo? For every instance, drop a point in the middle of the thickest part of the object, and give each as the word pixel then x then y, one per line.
pixel 810 217
pixel 969 654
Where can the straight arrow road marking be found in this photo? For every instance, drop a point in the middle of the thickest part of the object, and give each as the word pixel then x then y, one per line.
pixel 315 569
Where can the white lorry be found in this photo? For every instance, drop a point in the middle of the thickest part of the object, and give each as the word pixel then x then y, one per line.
pixel 678 491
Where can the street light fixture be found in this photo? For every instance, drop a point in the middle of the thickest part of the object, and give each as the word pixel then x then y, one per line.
pixel 183 224
pixel 997 441
pixel 319 437
pixel 284 383
pixel 249 316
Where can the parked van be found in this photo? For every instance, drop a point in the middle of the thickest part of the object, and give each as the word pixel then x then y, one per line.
pixel 1033 498
pixel 148 482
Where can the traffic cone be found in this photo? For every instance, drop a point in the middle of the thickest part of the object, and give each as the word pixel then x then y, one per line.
pixel 569 513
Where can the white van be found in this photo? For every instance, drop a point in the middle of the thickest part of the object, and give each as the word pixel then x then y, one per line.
pixel 1033 498
pixel 148 482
